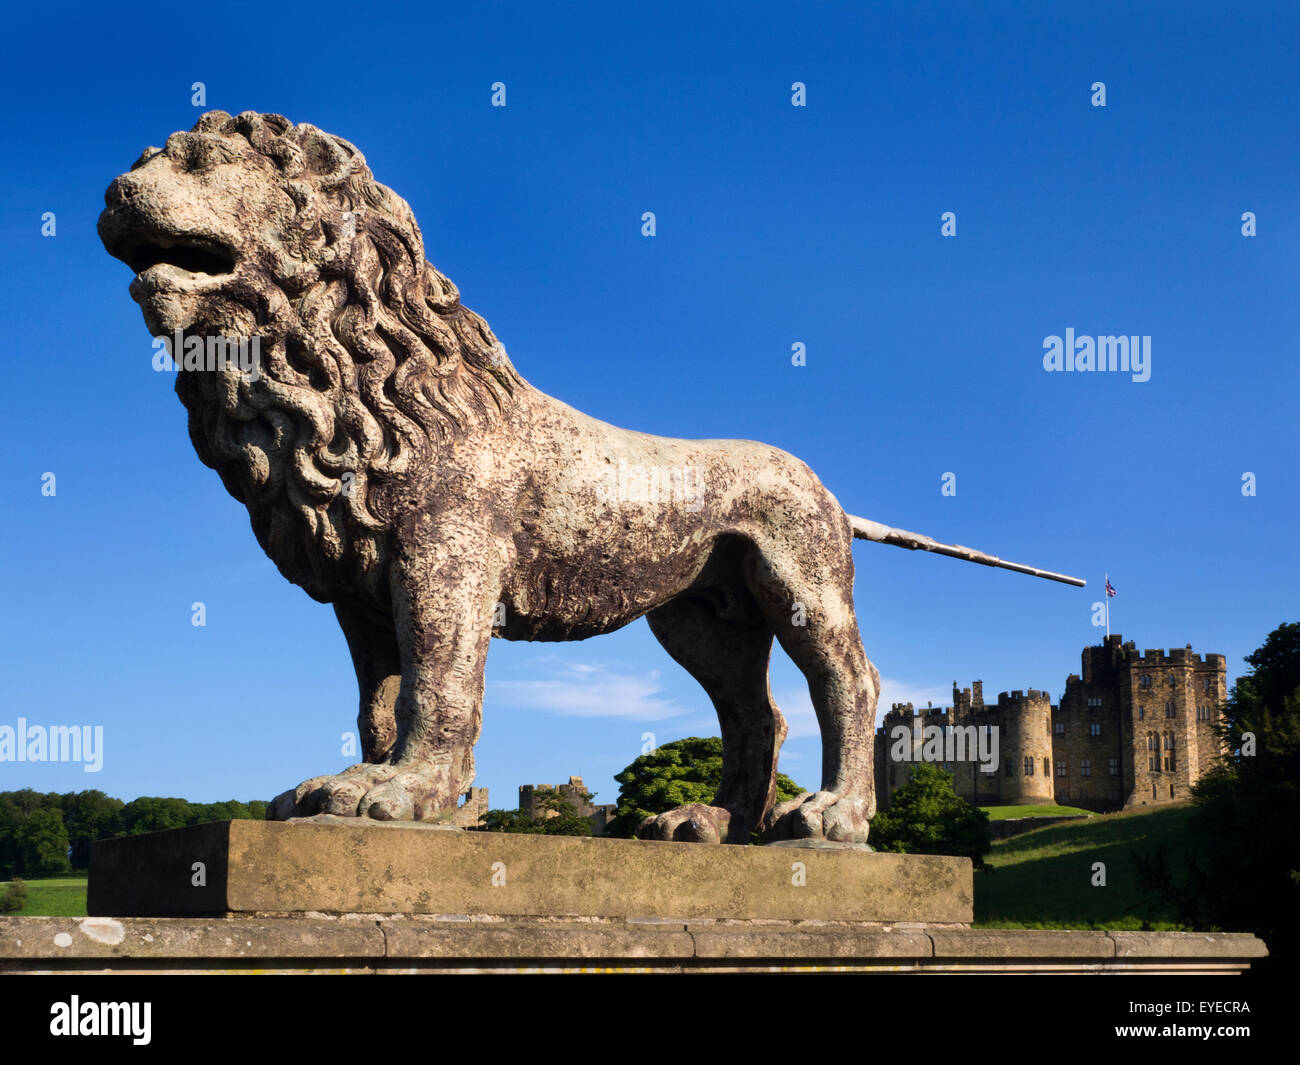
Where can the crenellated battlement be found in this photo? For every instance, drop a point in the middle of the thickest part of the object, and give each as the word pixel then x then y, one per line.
pixel 1094 750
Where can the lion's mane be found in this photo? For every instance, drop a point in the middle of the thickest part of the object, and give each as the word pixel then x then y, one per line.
pixel 371 369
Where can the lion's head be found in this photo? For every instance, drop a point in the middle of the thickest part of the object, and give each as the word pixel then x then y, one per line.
pixel 250 226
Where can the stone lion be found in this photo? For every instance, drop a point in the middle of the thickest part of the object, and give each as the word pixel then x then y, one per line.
pixel 395 465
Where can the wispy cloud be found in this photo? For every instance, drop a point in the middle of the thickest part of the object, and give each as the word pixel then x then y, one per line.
pixel 797 707
pixel 578 690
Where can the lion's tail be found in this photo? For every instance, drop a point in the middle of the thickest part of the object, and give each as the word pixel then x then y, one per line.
pixel 865 529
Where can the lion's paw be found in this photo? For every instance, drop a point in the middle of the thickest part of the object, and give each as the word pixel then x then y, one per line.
pixel 819 815
pixel 381 792
pixel 693 823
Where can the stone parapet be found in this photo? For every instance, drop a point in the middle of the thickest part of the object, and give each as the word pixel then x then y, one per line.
pixel 367 943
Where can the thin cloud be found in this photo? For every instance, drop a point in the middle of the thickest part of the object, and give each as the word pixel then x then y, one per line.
pixel 801 719
pixel 582 690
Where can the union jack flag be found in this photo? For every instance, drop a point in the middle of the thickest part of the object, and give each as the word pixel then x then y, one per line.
pixel 1110 589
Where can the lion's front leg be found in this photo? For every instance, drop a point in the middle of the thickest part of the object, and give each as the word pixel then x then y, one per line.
pixel 443 599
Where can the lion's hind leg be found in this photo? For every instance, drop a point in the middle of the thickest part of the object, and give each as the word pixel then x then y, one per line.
pixel 805 589
pixel 730 660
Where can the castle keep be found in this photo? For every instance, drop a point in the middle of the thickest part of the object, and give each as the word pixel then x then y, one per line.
pixel 1131 730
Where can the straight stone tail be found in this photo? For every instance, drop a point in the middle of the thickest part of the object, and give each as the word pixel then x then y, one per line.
pixel 865 529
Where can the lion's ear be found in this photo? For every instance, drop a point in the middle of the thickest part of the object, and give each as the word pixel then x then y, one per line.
pixel 321 153
pixel 145 156
pixel 211 122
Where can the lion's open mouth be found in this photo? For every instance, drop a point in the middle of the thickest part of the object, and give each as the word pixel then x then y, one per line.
pixel 195 257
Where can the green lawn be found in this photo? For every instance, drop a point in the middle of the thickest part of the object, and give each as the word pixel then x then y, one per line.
pixel 1043 879
pixel 64 897
pixel 1003 813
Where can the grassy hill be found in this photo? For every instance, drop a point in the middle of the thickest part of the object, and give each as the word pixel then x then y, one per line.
pixel 1043 879
pixel 1004 813
pixel 62 897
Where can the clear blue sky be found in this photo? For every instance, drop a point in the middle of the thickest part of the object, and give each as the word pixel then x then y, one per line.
pixel 776 224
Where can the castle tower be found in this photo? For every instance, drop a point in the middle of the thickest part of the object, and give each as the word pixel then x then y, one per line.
pixel 1137 729
pixel 1025 747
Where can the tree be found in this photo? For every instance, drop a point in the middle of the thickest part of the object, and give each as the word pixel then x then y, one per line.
pixel 89 815
pixel 559 817
pixel 675 774
pixel 1246 811
pixel 926 816
pixel 43 844
pixel 33 838
pixel 14 897
pixel 153 814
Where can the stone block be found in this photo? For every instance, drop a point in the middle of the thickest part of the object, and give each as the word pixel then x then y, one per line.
pixel 252 867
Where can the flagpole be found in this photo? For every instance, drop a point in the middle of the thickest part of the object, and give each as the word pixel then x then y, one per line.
pixel 1107 597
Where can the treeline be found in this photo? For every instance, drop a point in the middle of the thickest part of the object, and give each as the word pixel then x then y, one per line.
pixel 46 834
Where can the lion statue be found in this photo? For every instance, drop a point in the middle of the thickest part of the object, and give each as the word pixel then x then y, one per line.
pixel 395 465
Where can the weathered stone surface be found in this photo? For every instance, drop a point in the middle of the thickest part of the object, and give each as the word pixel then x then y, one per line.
pixel 102 937
pixel 732 942
pixel 1026 943
pixel 423 940
pixel 354 866
pixel 1188 945
pixel 448 943
pixel 396 465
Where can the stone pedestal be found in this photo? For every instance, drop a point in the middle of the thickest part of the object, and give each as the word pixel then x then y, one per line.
pixel 336 866
pixel 336 895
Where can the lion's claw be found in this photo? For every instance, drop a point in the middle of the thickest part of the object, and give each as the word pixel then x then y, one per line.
pixel 819 815
pixel 380 792
pixel 693 823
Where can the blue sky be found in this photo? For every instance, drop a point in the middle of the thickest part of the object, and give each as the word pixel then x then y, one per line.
pixel 775 225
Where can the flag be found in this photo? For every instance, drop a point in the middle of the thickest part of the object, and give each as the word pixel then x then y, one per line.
pixel 1110 589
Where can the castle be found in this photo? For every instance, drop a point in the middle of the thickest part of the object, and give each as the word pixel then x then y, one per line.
pixel 1131 730
pixel 575 792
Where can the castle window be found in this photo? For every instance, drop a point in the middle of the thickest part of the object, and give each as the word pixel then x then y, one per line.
pixel 1171 791
pixel 1153 791
pixel 1094 729
pixel 1169 741
pixel 1169 763
pixel 1059 728
pixel 1029 766
pixel 1060 767
pixel 1206 684
pixel 1169 709
pixel 1173 681
pixel 1202 713
pixel 1094 700
pixel 1047 767
pixel 1153 741
pixel 1011 770
pixel 1142 711
pixel 1085 768
pixel 1146 680
pixel 1114 767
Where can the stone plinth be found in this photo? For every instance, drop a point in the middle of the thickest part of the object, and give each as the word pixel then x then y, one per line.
pixel 359 943
pixel 344 866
